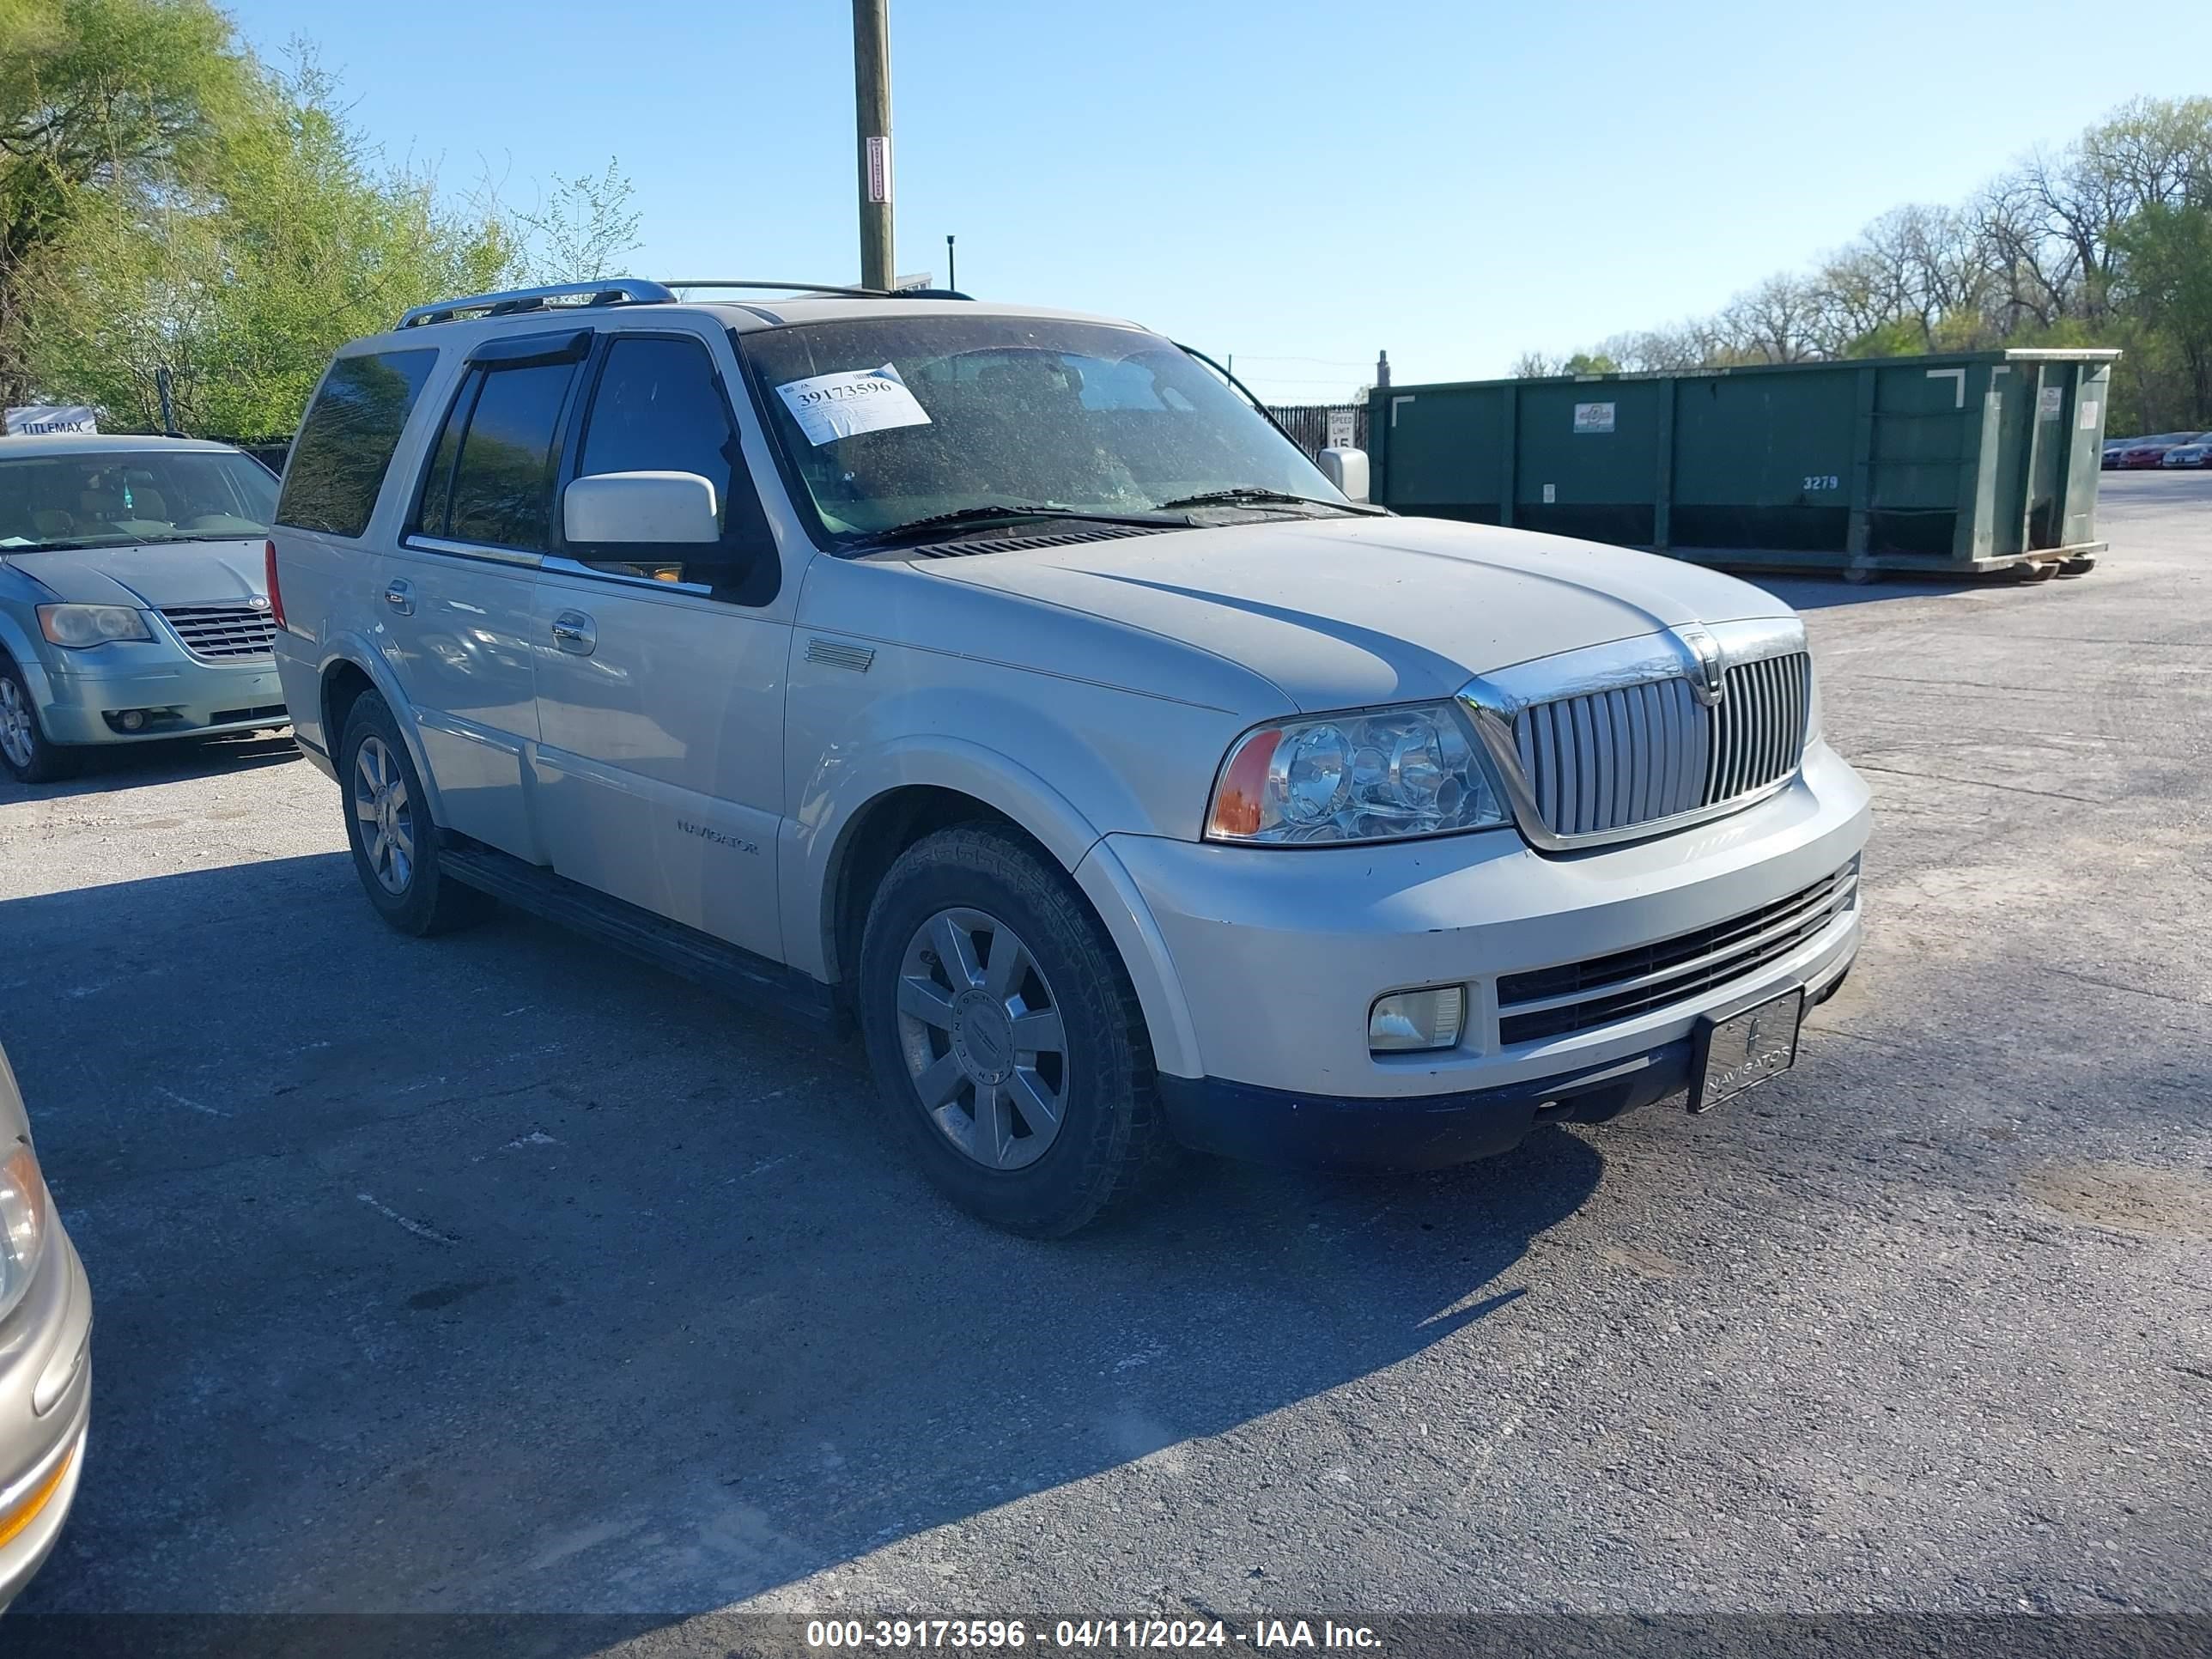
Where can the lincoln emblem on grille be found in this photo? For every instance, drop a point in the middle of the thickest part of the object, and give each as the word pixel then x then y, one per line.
pixel 1708 672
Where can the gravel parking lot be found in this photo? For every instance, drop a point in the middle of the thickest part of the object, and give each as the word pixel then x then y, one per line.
pixel 497 1273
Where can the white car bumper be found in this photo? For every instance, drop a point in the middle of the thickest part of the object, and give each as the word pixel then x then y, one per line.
pixel 1279 953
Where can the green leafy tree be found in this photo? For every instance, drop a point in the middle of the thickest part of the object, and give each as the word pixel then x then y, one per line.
pixel 103 101
pixel 2162 280
pixel 242 289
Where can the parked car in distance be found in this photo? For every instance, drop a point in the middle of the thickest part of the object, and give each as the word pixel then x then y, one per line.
pixel 45 1355
pixel 132 605
pixel 1000 678
pixel 2141 454
pixel 2197 454
pixel 2110 457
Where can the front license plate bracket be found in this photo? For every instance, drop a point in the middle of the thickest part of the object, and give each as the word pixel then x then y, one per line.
pixel 1732 1053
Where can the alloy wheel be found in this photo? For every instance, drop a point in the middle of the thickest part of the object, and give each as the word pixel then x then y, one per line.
pixel 16 722
pixel 387 823
pixel 980 1028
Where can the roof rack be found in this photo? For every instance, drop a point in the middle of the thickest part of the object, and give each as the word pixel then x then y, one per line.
pixel 828 288
pixel 609 291
pixel 789 287
pixel 636 291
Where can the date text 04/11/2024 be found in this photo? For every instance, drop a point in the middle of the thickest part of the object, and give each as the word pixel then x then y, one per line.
pixel 1013 1635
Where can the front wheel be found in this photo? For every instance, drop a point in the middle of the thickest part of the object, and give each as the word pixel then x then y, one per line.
pixel 25 750
pixel 1004 1034
pixel 387 818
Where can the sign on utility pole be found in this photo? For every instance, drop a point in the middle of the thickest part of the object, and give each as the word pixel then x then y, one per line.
pixel 871 106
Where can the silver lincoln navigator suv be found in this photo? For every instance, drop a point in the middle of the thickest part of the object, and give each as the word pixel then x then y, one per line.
pixel 1003 680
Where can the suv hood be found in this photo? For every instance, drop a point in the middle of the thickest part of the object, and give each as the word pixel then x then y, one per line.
pixel 173 573
pixel 1343 612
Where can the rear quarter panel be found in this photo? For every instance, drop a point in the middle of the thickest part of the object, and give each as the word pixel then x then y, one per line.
pixel 331 584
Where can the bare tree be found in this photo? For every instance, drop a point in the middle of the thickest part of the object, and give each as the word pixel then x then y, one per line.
pixel 585 229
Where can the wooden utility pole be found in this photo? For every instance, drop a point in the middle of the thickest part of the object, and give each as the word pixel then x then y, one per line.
pixel 872 106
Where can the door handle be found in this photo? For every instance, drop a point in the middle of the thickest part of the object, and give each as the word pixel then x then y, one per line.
pixel 573 632
pixel 400 596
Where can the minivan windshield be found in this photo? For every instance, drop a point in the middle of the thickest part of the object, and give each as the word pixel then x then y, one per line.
pixel 114 497
pixel 898 423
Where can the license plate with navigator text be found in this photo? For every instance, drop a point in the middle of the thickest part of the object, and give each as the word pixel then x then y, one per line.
pixel 1742 1049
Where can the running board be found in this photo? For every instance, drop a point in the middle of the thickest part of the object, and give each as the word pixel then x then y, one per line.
pixel 638 932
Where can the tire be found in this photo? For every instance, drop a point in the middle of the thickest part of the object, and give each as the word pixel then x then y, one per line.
pixel 1031 1172
pixel 2080 565
pixel 25 753
pixel 394 841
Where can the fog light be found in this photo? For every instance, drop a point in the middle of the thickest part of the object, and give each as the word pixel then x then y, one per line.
pixel 133 719
pixel 1408 1021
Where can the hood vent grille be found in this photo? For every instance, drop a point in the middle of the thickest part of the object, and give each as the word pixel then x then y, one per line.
pixel 1089 532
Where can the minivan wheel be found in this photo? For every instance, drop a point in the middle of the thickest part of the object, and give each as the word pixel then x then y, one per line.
pixel 395 844
pixel 25 751
pixel 1004 1034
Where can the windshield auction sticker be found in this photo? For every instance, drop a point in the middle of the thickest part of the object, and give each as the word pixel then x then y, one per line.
pixel 828 407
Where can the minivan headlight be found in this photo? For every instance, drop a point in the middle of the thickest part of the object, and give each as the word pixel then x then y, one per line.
pixel 79 625
pixel 22 1224
pixel 1369 774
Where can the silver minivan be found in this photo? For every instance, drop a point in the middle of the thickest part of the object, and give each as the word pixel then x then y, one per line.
pixel 1003 680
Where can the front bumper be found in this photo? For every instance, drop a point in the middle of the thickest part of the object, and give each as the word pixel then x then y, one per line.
pixel 45 1403
pixel 1279 953
pixel 1430 1132
pixel 182 696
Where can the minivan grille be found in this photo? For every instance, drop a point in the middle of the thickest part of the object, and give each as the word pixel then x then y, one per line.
pixel 1607 761
pixel 221 630
pixel 1575 996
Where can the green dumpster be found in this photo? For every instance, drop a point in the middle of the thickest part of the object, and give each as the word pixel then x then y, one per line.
pixel 1954 463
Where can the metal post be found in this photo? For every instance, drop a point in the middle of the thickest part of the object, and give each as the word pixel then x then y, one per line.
pixel 952 271
pixel 871 108
pixel 1382 368
pixel 162 389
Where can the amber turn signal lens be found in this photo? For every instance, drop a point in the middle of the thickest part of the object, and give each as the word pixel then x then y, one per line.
pixel 1236 797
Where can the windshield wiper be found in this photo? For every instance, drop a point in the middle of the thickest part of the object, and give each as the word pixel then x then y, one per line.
pixel 1241 494
pixel 124 538
pixel 919 529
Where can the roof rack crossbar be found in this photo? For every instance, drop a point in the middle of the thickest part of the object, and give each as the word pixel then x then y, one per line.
pixel 824 288
pixel 788 287
pixel 608 291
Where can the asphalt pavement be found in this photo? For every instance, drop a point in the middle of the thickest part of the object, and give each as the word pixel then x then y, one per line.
pixel 495 1274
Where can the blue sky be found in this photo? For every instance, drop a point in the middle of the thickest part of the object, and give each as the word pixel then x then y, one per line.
pixel 1294 183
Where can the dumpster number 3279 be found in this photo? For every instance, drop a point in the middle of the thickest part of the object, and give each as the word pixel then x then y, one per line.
pixel 1822 481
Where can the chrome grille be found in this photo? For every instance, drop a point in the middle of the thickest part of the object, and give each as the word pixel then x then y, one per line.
pixel 1607 761
pixel 222 631
pixel 1576 996
pixel 1759 727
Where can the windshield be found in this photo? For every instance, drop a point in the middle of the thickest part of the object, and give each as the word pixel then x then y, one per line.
pixel 95 498
pixel 890 421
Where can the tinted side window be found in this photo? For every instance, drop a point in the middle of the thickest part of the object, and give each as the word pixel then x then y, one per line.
pixel 501 487
pixel 658 407
pixel 344 449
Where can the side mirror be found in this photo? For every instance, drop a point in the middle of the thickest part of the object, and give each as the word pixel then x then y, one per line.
pixel 659 508
pixel 1347 470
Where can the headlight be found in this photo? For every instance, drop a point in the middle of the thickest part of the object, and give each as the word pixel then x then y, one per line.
pixel 22 1224
pixel 1380 774
pixel 79 625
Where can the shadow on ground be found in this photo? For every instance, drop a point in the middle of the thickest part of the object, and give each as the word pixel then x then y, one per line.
pixel 100 769
pixel 1826 593
pixel 495 1274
